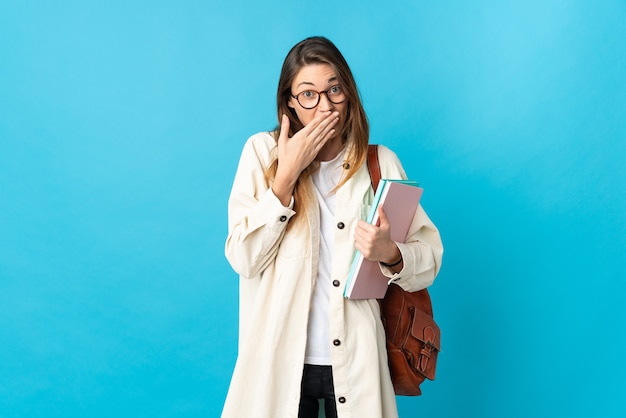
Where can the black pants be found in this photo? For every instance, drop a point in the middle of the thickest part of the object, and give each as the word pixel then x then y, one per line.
pixel 317 383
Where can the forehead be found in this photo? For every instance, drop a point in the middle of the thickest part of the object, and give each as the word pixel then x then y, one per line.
pixel 315 74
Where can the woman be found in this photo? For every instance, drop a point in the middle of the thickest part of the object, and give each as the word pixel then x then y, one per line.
pixel 294 224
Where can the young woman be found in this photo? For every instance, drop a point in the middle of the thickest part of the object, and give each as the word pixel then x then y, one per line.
pixel 294 224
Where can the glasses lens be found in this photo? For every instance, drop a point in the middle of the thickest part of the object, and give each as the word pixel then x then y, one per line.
pixel 335 94
pixel 308 99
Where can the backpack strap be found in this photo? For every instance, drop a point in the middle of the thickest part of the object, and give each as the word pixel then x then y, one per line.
pixel 373 165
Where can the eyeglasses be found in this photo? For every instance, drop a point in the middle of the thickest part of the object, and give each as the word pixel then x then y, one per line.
pixel 308 99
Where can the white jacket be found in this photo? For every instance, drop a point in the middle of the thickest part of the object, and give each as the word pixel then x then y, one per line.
pixel 277 269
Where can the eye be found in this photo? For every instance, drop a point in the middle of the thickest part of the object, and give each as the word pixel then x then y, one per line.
pixel 308 94
pixel 335 90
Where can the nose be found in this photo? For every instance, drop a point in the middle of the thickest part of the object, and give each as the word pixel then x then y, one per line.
pixel 325 104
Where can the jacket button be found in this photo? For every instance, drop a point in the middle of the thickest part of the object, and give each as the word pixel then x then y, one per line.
pixel 336 283
pixel 346 166
pixel 336 342
pixel 341 225
pixel 283 218
pixel 342 399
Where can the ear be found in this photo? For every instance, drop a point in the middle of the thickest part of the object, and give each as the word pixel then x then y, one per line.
pixel 290 103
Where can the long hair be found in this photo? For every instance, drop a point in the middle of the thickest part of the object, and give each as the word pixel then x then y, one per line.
pixel 355 132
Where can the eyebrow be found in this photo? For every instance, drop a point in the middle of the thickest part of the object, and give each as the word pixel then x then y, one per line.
pixel 308 83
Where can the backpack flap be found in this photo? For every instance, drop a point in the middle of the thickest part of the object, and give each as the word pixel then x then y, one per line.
pixel 423 344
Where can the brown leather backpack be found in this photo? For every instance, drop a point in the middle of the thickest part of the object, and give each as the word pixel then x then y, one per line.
pixel 413 337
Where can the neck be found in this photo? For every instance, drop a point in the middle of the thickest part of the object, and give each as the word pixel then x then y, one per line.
pixel 331 149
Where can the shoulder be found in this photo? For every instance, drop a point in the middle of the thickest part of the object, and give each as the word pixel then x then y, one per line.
pixel 259 146
pixel 261 140
pixel 387 156
pixel 390 164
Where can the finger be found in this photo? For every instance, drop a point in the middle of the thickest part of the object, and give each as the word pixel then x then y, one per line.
pixel 326 124
pixel 382 217
pixel 361 225
pixel 284 128
pixel 365 237
pixel 315 122
pixel 323 139
pixel 329 129
pixel 358 247
pixel 359 235
pixel 364 248
pixel 365 230
pixel 324 132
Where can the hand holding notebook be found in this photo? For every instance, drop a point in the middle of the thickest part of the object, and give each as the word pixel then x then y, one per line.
pixel 400 199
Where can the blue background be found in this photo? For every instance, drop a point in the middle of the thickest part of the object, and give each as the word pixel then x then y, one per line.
pixel 121 124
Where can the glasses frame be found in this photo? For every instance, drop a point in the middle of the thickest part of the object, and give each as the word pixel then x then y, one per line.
pixel 319 96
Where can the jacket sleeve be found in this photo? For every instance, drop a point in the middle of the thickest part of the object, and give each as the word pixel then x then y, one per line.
pixel 257 221
pixel 422 254
pixel 422 251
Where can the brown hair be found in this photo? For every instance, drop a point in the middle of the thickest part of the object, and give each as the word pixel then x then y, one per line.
pixel 355 133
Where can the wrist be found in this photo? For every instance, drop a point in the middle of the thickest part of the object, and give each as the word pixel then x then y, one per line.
pixel 393 263
pixel 394 259
pixel 283 190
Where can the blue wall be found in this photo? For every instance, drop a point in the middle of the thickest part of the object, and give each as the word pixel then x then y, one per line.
pixel 120 128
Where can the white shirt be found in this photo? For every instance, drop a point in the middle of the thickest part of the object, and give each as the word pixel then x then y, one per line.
pixel 318 338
